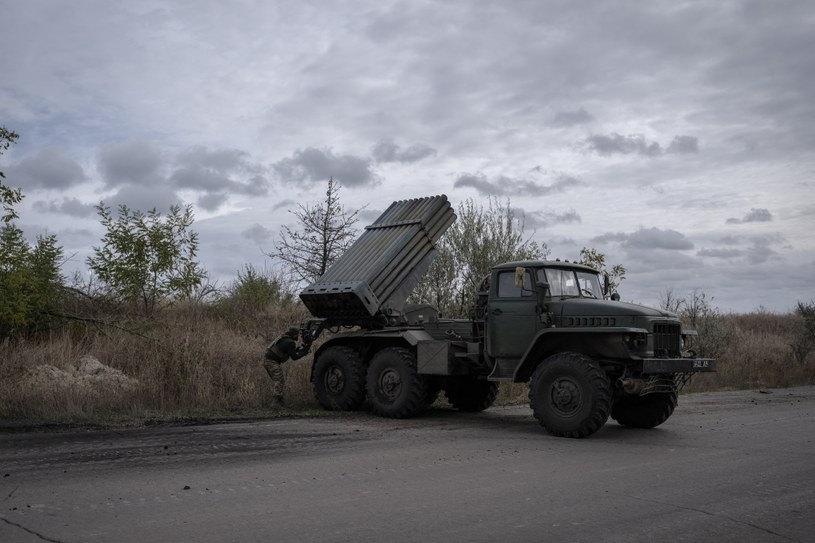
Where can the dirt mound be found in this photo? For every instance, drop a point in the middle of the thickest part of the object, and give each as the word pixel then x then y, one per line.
pixel 87 375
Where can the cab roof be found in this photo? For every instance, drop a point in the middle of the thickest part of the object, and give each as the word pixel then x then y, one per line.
pixel 545 264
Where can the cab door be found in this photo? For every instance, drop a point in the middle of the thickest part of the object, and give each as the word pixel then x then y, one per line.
pixel 511 317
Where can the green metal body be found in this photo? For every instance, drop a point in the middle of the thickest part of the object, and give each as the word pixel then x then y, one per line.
pixel 517 325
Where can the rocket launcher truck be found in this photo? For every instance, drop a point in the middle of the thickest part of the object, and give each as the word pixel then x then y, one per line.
pixel 555 325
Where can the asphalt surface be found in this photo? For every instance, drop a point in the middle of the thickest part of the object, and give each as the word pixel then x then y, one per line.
pixel 730 466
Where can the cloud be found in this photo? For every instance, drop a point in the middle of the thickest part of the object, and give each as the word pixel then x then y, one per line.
pixel 752 249
pixel 213 181
pixel 68 206
pixel 133 162
pixel 311 165
pixel 637 144
pixel 571 118
pixel 506 186
pixel 683 145
pixel 48 169
pixel 258 234
pixel 755 215
pixel 721 253
pixel 388 151
pixel 648 238
pixel 543 219
pixel 160 198
pixel 288 202
pixel 211 201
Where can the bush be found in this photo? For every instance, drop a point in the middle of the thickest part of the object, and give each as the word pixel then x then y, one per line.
pixel 30 283
pixel 803 340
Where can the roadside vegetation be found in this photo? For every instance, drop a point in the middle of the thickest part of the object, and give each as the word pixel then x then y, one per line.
pixel 144 336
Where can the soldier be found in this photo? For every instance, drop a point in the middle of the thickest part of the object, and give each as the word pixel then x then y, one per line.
pixel 281 350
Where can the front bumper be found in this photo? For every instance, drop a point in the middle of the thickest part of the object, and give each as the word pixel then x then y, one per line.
pixel 652 366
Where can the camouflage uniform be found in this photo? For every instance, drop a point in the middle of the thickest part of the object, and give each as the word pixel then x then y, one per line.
pixel 280 351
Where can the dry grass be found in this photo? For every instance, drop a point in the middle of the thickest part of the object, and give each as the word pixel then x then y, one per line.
pixel 198 360
pixel 189 360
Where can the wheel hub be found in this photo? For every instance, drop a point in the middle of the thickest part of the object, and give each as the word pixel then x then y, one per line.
pixel 565 396
pixel 334 380
pixel 390 384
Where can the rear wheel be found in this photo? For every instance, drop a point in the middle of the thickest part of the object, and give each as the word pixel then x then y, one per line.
pixel 339 379
pixel 395 388
pixel 470 395
pixel 646 411
pixel 570 395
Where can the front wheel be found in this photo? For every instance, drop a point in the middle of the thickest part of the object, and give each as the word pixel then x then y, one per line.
pixel 339 379
pixel 395 388
pixel 570 395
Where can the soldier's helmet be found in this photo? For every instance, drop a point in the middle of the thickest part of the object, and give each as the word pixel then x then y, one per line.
pixel 293 332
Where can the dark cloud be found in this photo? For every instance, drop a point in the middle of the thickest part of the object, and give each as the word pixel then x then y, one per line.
pixel 221 160
pixel 543 219
pixel 649 238
pixel 313 165
pixel 751 249
pixel 258 234
pixel 287 203
pixel 683 145
pixel 388 151
pixel 758 254
pixel 69 206
pixel 135 162
pixel 637 144
pixel 506 186
pixel 159 198
pixel 219 172
pixel 571 118
pixel 755 215
pixel 721 253
pixel 211 201
pixel 48 169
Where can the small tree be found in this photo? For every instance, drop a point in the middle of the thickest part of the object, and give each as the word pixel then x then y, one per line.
pixel 146 258
pixel 478 240
pixel 255 290
pixel 699 313
pixel 597 260
pixel 8 196
pixel 324 231
pixel 30 282
pixel 670 300
pixel 803 340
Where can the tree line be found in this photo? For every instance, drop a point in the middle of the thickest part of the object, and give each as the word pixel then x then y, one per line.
pixel 146 260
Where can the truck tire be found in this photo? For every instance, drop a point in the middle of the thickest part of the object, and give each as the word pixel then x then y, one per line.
pixel 570 395
pixel 470 395
pixel 395 388
pixel 646 411
pixel 339 379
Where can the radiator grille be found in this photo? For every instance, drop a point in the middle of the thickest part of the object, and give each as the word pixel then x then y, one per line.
pixel 667 339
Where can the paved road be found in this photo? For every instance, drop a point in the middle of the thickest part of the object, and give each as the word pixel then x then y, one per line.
pixel 735 466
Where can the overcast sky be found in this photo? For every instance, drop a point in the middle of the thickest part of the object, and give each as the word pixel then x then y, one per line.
pixel 678 138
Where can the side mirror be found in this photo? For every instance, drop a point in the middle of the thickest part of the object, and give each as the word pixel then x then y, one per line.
pixel 606 284
pixel 615 297
pixel 519 277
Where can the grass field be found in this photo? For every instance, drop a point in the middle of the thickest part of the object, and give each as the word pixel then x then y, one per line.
pixel 198 361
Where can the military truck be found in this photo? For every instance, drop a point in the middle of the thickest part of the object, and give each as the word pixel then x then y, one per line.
pixel 553 324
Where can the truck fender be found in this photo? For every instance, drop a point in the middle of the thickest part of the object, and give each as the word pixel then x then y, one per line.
pixel 600 342
pixel 367 343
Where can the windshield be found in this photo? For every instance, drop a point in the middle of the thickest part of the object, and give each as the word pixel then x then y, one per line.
pixel 571 283
pixel 589 285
